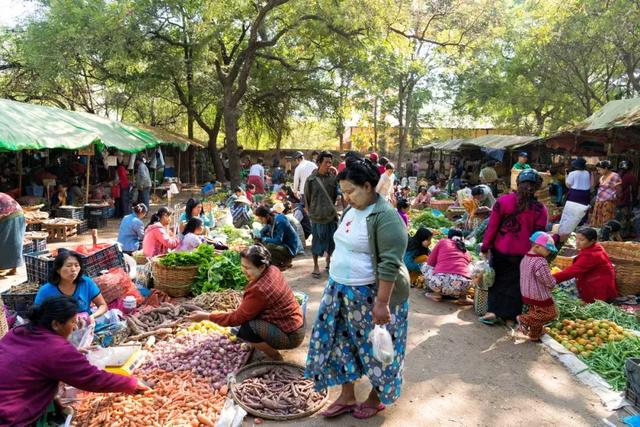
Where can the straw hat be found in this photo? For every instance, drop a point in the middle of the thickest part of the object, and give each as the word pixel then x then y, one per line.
pixel 243 199
pixel 278 207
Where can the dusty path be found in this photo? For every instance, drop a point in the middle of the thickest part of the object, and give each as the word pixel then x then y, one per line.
pixel 457 371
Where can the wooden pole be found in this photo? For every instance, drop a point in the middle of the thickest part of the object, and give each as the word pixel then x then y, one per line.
pixel 19 161
pixel 88 175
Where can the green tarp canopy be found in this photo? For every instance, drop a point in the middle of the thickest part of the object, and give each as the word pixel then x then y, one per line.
pixel 614 114
pixel 36 127
pixel 501 142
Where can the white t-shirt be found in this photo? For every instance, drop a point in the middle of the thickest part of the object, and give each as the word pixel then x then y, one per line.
pixel 256 170
pixel 300 175
pixel 351 260
pixel 385 186
pixel 579 180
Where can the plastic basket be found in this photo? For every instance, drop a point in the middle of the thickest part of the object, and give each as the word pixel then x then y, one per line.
pixel 36 226
pixel 39 265
pixel 104 259
pixel 39 245
pixel 632 372
pixel 71 212
pixel 83 226
pixel 96 221
pixel 18 302
pixel 102 211
pixel 27 248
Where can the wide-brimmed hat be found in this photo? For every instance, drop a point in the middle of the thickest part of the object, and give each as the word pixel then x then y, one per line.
pixel 243 199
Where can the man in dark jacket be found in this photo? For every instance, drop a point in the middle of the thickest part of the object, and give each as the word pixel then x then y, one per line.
pixel 320 194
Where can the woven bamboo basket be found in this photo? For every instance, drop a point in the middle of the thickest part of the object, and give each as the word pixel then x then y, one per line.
pixel 174 281
pixel 4 326
pixel 563 262
pixel 139 257
pixel 627 278
pixel 623 252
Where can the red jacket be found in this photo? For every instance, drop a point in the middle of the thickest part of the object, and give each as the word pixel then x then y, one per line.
pixel 594 274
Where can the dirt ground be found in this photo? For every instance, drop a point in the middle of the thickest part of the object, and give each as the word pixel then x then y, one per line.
pixel 458 372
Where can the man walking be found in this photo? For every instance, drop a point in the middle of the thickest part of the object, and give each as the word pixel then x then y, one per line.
pixel 143 182
pixel 304 168
pixel 320 194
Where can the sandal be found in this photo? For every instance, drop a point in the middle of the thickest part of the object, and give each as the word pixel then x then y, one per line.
pixel 491 322
pixel 364 411
pixel 336 409
pixel 316 275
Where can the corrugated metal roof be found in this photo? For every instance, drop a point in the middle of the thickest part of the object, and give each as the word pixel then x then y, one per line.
pixel 614 114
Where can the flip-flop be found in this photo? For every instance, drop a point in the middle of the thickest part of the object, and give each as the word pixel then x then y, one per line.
pixel 361 411
pixel 490 322
pixel 336 409
pixel 316 275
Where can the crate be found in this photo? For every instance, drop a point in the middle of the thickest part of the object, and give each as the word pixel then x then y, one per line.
pixel 39 245
pixel 38 266
pixel 19 303
pixel 96 221
pixel 102 211
pixel 111 212
pixel 83 226
pixel 71 212
pixel 27 248
pixel 104 259
pixel 36 226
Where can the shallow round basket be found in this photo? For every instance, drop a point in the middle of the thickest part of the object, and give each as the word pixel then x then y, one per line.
pixel 250 371
pixel 174 281
pixel 563 262
pixel 627 279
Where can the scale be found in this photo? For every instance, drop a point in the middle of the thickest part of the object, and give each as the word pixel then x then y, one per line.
pixel 121 359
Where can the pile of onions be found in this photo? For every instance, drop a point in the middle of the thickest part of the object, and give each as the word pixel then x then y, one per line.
pixel 211 357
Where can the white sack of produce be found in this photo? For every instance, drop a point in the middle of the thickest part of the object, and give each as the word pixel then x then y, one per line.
pixel 571 216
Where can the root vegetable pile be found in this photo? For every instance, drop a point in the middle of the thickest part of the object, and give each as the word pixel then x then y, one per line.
pixel 210 357
pixel 227 300
pixel 176 399
pixel 278 391
pixel 158 320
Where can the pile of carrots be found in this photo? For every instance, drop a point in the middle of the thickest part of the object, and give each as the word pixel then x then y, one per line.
pixel 175 399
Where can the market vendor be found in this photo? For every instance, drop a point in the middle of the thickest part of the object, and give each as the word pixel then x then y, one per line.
pixel 59 197
pixel 417 252
pixel 483 195
pixel 279 237
pixel 269 316
pixel 422 199
pixel 157 239
pixel 609 186
pixel 447 271
pixel 12 228
pixel 131 232
pixel 36 357
pixel 241 212
pixel 592 269
pixel 67 279
pixel 522 163
pixel 194 209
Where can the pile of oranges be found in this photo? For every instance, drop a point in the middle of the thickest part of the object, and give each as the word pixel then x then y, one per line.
pixel 582 336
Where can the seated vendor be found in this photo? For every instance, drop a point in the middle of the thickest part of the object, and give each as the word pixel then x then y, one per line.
pixel 36 357
pixel 157 238
pixel 447 273
pixel 241 212
pixel 194 209
pixel 423 198
pixel 269 316
pixel 483 195
pixel 59 197
pixel 131 230
pixel 236 193
pixel 592 269
pixel 417 252
pixel 191 235
pixel 279 237
pixel 67 279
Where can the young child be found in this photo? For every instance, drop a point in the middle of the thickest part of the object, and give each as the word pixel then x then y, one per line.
pixel 536 283
pixel 403 207
pixel 192 231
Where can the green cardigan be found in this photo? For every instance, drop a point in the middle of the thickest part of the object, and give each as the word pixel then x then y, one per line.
pixel 388 242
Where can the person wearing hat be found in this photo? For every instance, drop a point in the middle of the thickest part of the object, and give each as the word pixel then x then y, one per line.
pixel 514 218
pixel 241 212
pixel 607 196
pixel 579 182
pixel 521 164
pixel 536 283
pixel 304 169
pixel 489 176
pixel 374 159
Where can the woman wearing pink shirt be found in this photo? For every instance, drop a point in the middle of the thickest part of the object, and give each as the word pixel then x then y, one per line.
pixel 157 240
pixel 514 218
pixel 447 269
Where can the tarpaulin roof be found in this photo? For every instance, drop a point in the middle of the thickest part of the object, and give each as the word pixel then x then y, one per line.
pixel 34 127
pixel 173 138
pixel 614 114
pixel 501 142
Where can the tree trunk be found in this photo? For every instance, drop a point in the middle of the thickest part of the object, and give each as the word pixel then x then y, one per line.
pixel 375 124
pixel 401 122
pixel 218 167
pixel 231 114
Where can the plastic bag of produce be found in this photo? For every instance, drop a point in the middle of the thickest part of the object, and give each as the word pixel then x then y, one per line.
pixel 231 415
pixel 382 345
pixel 571 216
pixel 482 274
pixel 82 337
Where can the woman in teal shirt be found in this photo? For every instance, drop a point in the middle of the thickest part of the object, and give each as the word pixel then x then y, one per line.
pixel 194 208
pixel 67 279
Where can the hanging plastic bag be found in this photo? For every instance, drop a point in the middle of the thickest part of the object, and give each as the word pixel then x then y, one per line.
pixel 572 214
pixel 382 345
pixel 231 415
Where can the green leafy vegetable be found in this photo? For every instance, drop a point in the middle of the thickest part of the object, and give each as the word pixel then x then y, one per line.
pixel 429 220
pixel 221 271
pixel 180 259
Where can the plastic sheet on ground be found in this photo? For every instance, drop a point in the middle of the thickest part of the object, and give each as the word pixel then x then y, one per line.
pixel 612 400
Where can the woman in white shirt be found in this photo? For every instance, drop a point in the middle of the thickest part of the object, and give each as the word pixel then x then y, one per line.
pixel 256 176
pixel 385 185
pixel 579 183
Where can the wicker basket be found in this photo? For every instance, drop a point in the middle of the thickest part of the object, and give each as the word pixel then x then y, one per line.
pixel 563 262
pixel 627 278
pixel 4 326
pixel 174 281
pixel 623 252
pixel 140 258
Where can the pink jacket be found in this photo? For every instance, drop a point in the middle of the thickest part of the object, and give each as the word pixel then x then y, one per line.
pixel 448 259
pixel 508 231
pixel 536 281
pixel 157 240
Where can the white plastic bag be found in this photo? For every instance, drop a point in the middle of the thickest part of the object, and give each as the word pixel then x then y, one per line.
pixel 382 345
pixel 231 415
pixel 571 215
pixel 83 337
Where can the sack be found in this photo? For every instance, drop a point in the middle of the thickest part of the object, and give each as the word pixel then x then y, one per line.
pixel 382 345
pixel 572 214
pixel 117 284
